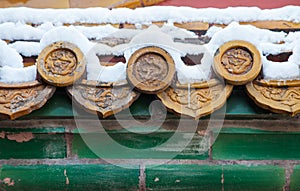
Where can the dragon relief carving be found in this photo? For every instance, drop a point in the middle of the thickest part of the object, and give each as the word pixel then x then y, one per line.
pixel 150 69
pixel 15 99
pixel 195 99
pixel 61 62
pixel 288 96
pixel 237 61
pixel 104 99
pixel 19 101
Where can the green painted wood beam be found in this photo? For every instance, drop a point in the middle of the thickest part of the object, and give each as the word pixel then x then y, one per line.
pixel 138 146
pixel 295 179
pixel 32 144
pixel 69 177
pixel 214 177
pixel 259 145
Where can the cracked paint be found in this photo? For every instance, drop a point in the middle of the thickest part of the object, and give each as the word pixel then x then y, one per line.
pixel 9 181
pixel 2 135
pixel 20 137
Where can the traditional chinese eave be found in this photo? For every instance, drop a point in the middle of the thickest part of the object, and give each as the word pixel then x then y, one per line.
pixel 147 65
pixel 53 135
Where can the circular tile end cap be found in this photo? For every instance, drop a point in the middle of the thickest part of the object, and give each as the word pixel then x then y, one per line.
pixel 238 62
pixel 61 63
pixel 150 70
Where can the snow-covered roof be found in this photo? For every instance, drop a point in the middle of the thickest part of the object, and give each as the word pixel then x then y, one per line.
pixel 17 25
pixel 148 15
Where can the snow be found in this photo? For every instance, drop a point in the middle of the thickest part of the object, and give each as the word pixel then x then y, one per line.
pixel 17 75
pixel 212 31
pixel 288 13
pixel 167 28
pixel 267 42
pixel 153 36
pixel 148 15
pixel 27 49
pixel 19 31
pixel 97 32
pixel 125 33
pixel 292 37
pixel 9 56
pixel 96 71
pixel 11 66
pixel 68 34
pixel 50 29
pixel 48 26
pixel 280 70
pixel 270 48
pixel 190 74
pixel 176 32
pixel 295 57
pixel 249 33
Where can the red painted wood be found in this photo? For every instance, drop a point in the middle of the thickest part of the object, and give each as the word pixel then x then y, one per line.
pixel 264 4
